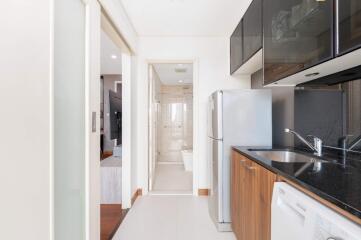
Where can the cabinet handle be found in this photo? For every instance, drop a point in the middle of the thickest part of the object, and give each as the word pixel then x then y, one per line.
pixel 250 168
pixel 242 162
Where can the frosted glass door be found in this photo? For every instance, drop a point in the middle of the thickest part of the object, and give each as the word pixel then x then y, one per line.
pixel 349 25
pixel 298 34
pixel 69 120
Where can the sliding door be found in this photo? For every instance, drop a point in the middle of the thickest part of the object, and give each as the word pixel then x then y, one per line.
pixel 69 120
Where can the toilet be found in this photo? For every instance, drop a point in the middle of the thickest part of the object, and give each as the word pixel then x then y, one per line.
pixel 187 156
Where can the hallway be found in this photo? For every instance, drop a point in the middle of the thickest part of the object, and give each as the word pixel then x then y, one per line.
pixel 170 217
pixel 172 178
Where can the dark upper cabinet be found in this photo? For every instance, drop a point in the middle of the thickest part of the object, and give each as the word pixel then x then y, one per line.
pixel 237 48
pixel 247 38
pixel 349 24
pixel 298 34
pixel 252 30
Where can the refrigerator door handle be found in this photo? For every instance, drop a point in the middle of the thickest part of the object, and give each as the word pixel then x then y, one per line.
pixel 215 115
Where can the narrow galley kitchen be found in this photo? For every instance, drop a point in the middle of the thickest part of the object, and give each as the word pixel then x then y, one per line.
pixel 171 128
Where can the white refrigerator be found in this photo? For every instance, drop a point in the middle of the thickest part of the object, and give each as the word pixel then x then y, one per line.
pixel 235 118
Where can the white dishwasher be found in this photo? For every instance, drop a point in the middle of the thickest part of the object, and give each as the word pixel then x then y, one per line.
pixel 297 216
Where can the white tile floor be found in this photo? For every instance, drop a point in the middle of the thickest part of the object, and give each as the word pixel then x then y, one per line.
pixel 172 178
pixel 170 218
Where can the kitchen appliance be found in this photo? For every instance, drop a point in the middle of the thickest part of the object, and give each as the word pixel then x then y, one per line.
pixel 235 118
pixel 306 218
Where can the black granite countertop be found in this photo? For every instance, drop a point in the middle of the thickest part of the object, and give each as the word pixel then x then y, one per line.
pixel 337 180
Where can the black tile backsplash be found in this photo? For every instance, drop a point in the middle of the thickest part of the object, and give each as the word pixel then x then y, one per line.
pixel 319 113
pixel 328 112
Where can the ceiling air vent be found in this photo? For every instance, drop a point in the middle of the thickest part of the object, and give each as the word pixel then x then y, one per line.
pixel 180 70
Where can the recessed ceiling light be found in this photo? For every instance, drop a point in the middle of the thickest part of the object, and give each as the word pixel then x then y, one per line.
pixel 114 56
pixel 180 70
pixel 180 81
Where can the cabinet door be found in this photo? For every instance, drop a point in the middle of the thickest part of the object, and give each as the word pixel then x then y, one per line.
pixel 263 200
pixel 252 30
pixel 251 198
pixel 298 34
pixel 349 25
pixel 235 187
pixel 237 195
pixel 249 211
pixel 237 47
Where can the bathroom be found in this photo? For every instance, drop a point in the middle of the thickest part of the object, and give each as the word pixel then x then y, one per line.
pixel 171 128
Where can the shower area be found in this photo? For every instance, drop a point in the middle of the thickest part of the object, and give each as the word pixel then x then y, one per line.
pixel 171 132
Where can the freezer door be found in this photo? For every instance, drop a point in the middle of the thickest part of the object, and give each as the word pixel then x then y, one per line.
pixel 215 198
pixel 215 115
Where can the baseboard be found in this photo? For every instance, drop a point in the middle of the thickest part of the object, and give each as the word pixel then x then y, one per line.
pixel 203 192
pixel 137 193
pixel 171 193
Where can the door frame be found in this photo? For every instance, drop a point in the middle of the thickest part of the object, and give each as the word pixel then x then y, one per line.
pixel 124 30
pixel 196 141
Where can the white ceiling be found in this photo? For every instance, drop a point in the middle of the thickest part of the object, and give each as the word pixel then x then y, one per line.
pixel 185 17
pixel 109 65
pixel 168 75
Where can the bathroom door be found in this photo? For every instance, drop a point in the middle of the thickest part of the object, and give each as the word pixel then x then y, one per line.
pixel 172 124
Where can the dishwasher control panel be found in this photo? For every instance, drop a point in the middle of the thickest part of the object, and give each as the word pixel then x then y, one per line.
pixel 306 218
pixel 326 230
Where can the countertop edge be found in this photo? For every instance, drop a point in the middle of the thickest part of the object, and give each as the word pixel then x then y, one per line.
pixel 343 206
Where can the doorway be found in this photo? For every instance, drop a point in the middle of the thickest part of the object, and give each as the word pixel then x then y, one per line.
pixel 171 128
pixel 115 115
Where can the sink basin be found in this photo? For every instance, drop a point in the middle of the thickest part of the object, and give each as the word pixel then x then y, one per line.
pixel 286 156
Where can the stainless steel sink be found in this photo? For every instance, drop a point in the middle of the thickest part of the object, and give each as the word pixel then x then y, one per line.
pixel 286 156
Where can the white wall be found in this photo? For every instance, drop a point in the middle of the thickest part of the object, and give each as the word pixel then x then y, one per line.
pixel 211 55
pixel 25 98
pixel 154 98
pixel 119 17
pixel 134 132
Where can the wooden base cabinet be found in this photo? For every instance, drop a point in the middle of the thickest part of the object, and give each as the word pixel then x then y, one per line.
pixel 251 197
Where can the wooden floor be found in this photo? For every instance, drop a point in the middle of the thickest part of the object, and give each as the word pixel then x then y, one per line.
pixel 111 215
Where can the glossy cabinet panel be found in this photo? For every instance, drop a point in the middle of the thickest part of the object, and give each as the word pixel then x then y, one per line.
pixel 251 197
pixel 298 34
pixel 237 48
pixel 252 30
pixel 349 25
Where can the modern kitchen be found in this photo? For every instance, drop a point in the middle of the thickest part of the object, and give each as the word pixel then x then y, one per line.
pixel 286 155
pixel 181 120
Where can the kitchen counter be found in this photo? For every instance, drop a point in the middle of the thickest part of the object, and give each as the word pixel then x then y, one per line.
pixel 338 180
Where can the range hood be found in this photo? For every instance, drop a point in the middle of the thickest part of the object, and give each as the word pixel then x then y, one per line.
pixel 340 69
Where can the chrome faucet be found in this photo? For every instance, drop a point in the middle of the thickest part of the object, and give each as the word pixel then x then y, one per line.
pixel 317 142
